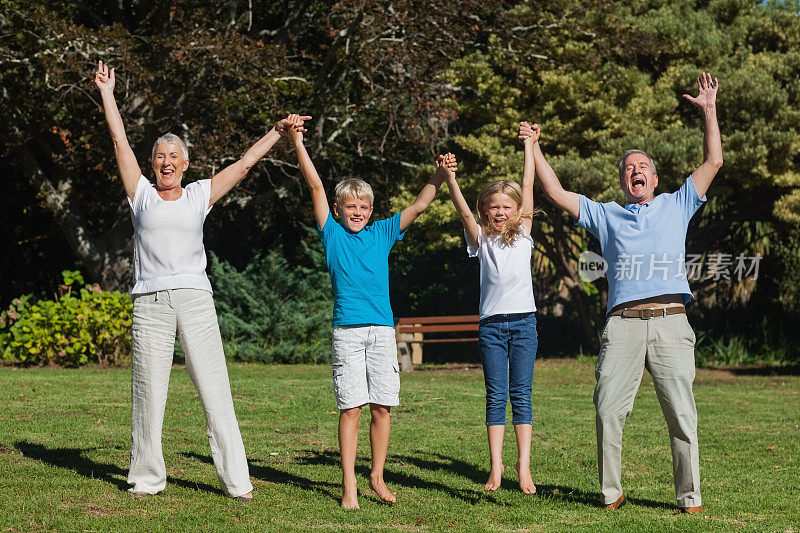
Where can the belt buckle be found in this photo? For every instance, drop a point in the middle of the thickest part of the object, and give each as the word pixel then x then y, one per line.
pixel 648 313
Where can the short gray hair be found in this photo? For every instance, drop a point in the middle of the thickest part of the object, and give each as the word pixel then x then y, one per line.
pixel 634 151
pixel 170 138
pixel 353 187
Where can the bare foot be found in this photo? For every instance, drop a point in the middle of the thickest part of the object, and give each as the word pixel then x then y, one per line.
pixel 377 484
pixel 350 493
pixel 495 479
pixel 525 480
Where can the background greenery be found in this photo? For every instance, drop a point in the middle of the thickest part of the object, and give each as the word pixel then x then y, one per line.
pixel 749 430
pixel 80 326
pixel 389 85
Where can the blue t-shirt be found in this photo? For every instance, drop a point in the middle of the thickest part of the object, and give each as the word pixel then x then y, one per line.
pixel 644 246
pixel 359 267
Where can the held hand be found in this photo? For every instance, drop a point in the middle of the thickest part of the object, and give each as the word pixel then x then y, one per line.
pixel 284 125
pixel 103 78
pixel 528 134
pixel 707 98
pixel 447 165
pixel 296 128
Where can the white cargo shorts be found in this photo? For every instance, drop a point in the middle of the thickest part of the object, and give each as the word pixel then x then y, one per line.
pixel 365 368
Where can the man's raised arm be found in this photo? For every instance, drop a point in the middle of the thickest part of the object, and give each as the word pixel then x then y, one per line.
pixel 566 200
pixel 706 100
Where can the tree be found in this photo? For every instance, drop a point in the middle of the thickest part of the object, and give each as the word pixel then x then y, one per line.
pixel 613 82
pixel 218 74
pixel 390 83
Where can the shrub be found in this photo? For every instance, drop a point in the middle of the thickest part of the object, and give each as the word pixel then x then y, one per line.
pixel 273 311
pixel 78 327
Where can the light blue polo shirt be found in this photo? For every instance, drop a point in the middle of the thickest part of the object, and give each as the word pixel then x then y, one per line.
pixel 359 267
pixel 644 245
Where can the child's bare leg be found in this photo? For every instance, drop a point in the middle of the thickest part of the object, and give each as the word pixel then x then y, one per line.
pixel 348 442
pixel 496 434
pixel 523 433
pixel 379 429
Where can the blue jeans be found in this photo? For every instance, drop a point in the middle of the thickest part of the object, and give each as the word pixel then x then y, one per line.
pixel 508 350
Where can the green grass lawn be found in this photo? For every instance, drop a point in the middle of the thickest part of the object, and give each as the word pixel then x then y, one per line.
pixel 65 435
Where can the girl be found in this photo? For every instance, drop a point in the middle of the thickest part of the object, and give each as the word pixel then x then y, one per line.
pixel 501 239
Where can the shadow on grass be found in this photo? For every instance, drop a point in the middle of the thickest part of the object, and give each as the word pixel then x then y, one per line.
pixel 435 461
pixel 331 459
pixel 75 460
pixel 438 461
pixel 273 475
pixel 592 499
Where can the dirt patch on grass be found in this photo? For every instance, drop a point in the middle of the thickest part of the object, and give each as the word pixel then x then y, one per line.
pixel 570 371
pixel 727 376
pixel 474 367
pixel 95 510
pixel 447 368
pixel 99 510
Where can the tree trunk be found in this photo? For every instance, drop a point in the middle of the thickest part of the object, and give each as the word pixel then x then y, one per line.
pixel 108 259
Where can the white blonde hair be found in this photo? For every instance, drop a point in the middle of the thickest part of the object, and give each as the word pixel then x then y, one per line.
pixel 353 187
pixel 170 138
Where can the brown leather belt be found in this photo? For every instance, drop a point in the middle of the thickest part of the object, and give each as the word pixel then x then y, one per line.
pixel 646 314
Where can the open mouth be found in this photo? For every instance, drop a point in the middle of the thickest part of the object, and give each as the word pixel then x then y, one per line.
pixel 167 173
pixel 637 181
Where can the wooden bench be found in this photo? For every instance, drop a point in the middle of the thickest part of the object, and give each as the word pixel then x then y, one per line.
pixel 410 333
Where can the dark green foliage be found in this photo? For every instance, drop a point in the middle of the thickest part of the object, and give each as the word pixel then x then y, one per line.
pixel 78 327
pixel 609 76
pixel 746 337
pixel 389 84
pixel 763 330
pixel 273 311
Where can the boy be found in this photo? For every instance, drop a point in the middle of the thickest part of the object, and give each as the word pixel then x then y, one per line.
pixel 364 355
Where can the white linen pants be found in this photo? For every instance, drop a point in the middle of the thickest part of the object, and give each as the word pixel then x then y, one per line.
pixel 156 318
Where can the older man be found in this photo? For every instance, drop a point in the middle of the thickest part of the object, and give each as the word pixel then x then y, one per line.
pixel 643 244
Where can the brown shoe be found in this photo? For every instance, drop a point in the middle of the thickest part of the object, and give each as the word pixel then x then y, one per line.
pixel 244 498
pixel 691 510
pixel 616 505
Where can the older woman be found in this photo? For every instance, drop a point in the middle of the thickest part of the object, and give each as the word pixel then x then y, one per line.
pixel 172 294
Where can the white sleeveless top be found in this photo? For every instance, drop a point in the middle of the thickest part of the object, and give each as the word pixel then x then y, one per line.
pixel 506 285
pixel 168 248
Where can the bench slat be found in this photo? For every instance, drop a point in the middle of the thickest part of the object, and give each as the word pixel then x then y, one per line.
pixel 436 329
pixel 426 341
pixel 438 319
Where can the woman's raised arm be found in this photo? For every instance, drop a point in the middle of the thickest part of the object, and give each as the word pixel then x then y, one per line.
pixel 126 160
pixel 231 175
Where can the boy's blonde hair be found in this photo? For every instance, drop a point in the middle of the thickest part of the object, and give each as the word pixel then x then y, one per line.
pixel 353 187
pixel 511 228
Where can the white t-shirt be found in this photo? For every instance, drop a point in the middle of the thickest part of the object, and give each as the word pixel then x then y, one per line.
pixel 168 248
pixel 506 285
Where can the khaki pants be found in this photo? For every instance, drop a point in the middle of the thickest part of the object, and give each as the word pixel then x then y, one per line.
pixel 156 318
pixel 665 345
